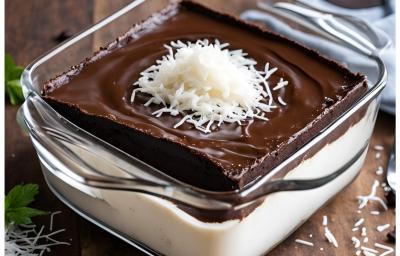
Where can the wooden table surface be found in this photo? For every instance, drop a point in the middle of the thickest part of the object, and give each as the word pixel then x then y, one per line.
pixel 31 28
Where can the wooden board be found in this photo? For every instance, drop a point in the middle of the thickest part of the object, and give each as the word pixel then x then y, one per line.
pixel 30 30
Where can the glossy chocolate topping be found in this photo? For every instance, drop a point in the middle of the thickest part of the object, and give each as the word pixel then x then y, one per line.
pixel 102 88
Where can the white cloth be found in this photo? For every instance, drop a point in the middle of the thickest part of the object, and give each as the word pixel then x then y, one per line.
pixel 382 19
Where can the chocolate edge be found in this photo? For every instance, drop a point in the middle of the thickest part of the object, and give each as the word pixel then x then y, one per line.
pixel 320 121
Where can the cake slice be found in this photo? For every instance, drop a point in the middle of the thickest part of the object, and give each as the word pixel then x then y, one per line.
pixel 96 95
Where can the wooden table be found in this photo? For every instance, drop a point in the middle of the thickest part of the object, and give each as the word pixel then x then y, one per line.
pixel 31 27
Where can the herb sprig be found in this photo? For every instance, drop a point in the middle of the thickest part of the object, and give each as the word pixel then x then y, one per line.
pixel 12 75
pixel 16 204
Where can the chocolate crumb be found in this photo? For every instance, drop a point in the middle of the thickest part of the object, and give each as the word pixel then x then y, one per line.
pixel 328 101
pixel 391 236
pixel 338 97
pixel 62 36
pixel 346 88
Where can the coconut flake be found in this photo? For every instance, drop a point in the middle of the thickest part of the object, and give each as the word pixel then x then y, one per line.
pixel 382 227
pixel 29 242
pixel 324 220
pixel 364 231
pixel 363 200
pixel 356 242
pixel 331 238
pixel 51 219
pixel 282 83
pixel 207 83
pixel 387 253
pixel 388 249
pixel 281 101
pixel 359 222
pixel 268 71
pixel 24 240
pixel 367 249
pixel 300 241
pixel 379 171
pixel 368 253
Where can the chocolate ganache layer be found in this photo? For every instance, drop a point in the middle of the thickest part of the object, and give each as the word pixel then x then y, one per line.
pixel 95 95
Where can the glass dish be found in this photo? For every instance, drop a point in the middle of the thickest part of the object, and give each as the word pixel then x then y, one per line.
pixel 143 206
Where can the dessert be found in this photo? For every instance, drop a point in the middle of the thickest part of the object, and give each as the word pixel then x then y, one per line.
pixel 96 94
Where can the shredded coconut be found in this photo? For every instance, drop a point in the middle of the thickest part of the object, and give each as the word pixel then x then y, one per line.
pixel 364 231
pixel 382 227
pixel 379 171
pixel 386 253
pixel 331 238
pixel 24 240
pixel 51 219
pixel 300 241
pixel 359 222
pixel 356 242
pixel 324 220
pixel 281 101
pixel 366 249
pixel 28 242
pixel 368 253
pixel 207 84
pixel 280 84
pixel 388 249
pixel 378 147
pixel 363 200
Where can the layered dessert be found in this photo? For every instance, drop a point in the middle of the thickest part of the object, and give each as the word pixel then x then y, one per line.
pixel 216 103
pixel 96 95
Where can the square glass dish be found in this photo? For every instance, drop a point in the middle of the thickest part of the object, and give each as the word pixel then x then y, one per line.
pixel 163 216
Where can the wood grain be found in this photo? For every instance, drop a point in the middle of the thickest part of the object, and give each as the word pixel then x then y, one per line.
pixel 30 29
pixel 342 211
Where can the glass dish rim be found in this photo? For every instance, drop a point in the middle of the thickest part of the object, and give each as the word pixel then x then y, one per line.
pixel 372 93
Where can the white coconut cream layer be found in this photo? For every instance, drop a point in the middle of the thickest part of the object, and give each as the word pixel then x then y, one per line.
pixel 165 228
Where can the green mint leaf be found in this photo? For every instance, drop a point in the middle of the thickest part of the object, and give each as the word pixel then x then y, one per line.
pixel 12 74
pixel 22 215
pixel 14 91
pixel 9 65
pixel 16 73
pixel 16 202
pixel 21 195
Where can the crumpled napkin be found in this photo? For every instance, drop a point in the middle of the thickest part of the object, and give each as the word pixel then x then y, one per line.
pixel 381 18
